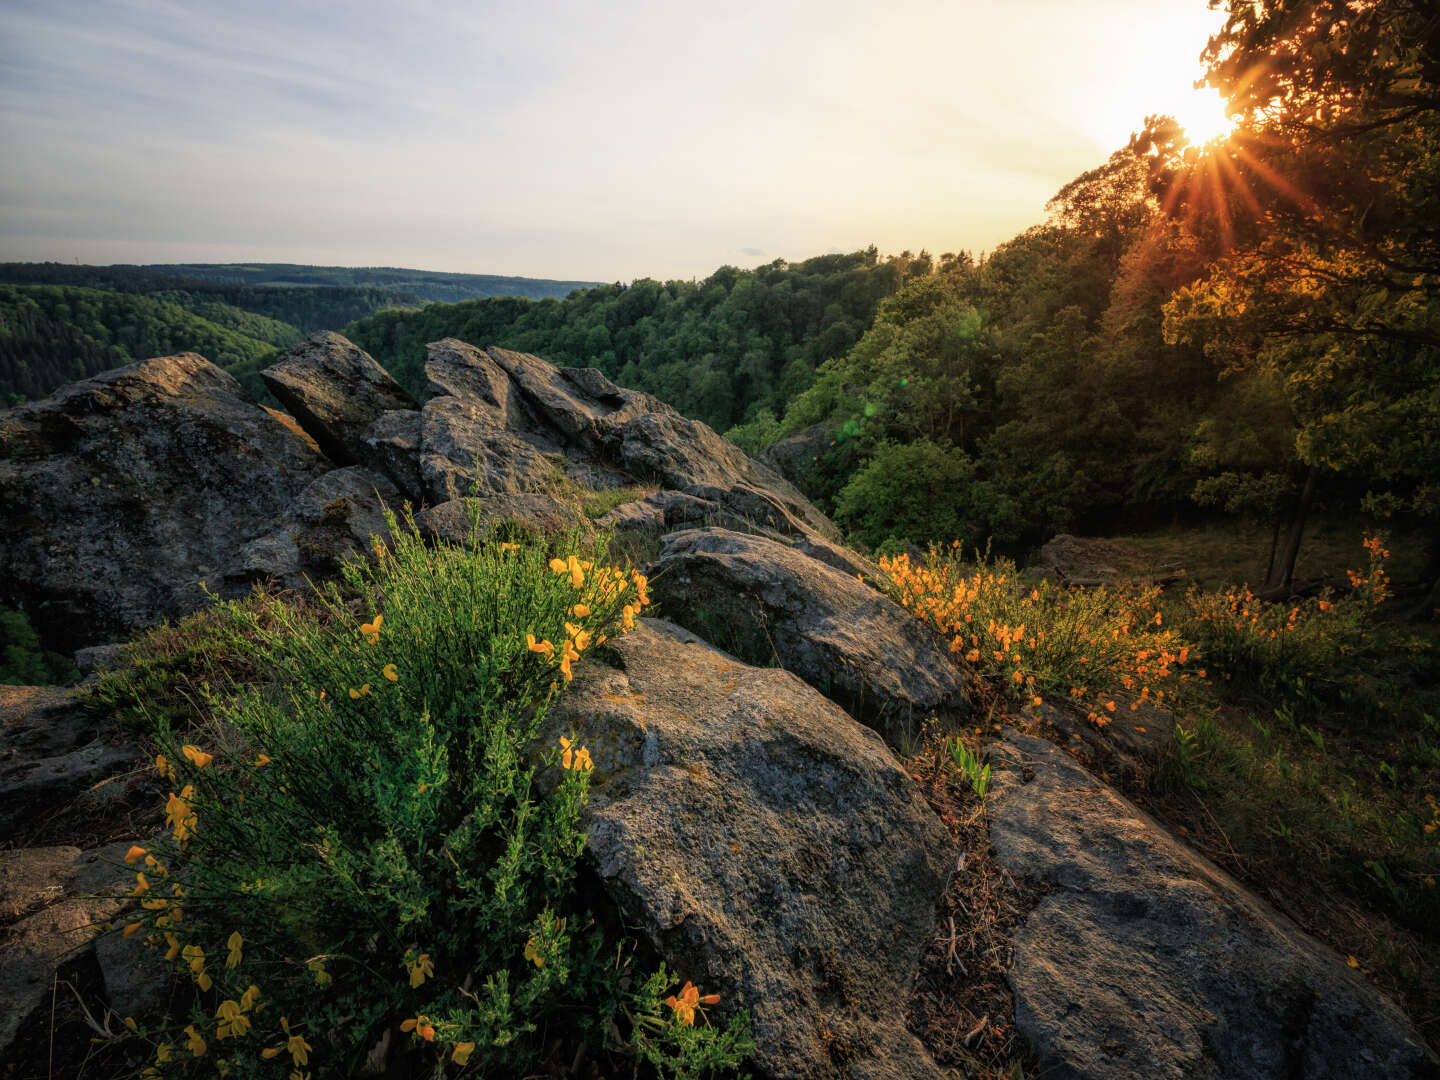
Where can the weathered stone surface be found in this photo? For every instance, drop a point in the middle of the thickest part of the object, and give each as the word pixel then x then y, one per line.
pixel 642 515
pixel 136 978
pixel 333 518
pixel 50 751
pixel 336 391
pixel 68 897
pixel 124 491
pixel 459 520
pixel 772 848
pixel 1127 749
pixel 96 657
pixel 767 601
pixel 502 421
pixel 391 447
pixel 1144 960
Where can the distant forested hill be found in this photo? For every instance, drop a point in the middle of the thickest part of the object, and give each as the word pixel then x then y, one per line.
pixel 427 284
pixel 732 348
pixel 53 334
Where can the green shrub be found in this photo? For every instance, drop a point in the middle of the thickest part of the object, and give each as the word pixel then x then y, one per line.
pixel 372 857
pixel 22 661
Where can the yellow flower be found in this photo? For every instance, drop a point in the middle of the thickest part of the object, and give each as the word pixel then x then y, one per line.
pixel 422 968
pixel 544 648
pixel 582 760
pixel 204 981
pixel 174 942
pixel 531 952
pixel 508 547
pixel 234 943
pixel 390 673
pixel 197 756
pixel 356 695
pixel 135 854
pixel 567 755
pixel 196 1044
pixel 132 929
pixel 371 629
pixel 685 1004
pixel 558 566
pixel 580 610
pixel 262 760
pixel 462 1053
pixel 627 617
pixel 296 1044
pixel 577 575
pixel 317 969
pixel 248 999
pixel 163 767
pixel 421 1026
pixel 566 656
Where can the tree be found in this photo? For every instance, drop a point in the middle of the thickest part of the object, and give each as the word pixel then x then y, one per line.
pixel 1323 210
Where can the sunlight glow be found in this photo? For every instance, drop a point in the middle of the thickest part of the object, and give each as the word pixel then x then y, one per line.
pixel 1202 114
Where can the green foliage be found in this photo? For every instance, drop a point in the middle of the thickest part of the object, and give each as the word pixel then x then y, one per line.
pixel 22 661
pixel 760 431
pixel 913 490
pixel 718 350
pixel 373 843
pixel 968 762
pixel 680 1050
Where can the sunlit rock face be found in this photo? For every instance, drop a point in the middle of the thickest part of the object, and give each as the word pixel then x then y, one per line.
pixel 1144 960
pixel 771 848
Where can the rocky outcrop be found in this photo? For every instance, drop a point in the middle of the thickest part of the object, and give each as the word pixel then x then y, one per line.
pixel 51 750
pixel 122 493
pixel 798 453
pixel 768 602
pixel 769 846
pixel 1143 960
pixel 336 392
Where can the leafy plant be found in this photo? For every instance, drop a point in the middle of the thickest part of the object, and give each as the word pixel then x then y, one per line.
pixel 968 762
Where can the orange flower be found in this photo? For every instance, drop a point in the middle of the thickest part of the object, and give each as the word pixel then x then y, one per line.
pixel 135 854
pixel 686 1003
pixel 199 758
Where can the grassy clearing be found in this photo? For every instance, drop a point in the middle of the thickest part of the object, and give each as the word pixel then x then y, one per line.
pixel 1305 756
pixel 377 854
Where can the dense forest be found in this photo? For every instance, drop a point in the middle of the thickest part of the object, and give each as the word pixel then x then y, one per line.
pixel 1248 327
pixel 426 284
pixel 734 347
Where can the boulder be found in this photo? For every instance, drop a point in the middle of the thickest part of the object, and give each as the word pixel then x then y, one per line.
pixel 770 847
pixel 460 520
pixel 392 448
pixel 51 750
pixel 502 422
pixel 1182 971
pixel 334 518
pixel 769 602
pixel 797 454
pixel 125 491
pixel 336 391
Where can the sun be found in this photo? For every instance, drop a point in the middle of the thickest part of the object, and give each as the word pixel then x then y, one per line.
pixel 1202 114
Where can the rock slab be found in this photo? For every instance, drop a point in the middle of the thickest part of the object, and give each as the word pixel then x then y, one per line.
pixel 771 848
pixel 768 601
pixel 1144 961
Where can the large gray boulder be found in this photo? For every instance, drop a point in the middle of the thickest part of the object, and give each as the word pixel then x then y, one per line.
pixel 336 391
pixel 769 602
pixel 770 847
pixel 1143 960
pixel 505 422
pixel 123 492
pixel 461 521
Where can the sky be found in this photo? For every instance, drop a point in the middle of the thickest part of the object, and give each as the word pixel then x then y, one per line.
pixel 567 140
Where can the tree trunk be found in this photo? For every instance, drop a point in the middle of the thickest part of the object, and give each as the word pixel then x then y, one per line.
pixel 1274 543
pixel 1282 571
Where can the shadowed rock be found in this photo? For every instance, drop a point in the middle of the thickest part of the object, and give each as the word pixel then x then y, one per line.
pixel 123 492
pixel 770 847
pixel 1145 961
pixel 767 601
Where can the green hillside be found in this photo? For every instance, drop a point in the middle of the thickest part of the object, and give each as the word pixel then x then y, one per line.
pixel 734 347
pixel 53 334
pixel 426 284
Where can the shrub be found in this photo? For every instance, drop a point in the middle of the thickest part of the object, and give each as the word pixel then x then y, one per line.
pixel 371 858
pixel 912 490
pixel 1103 647
pixel 22 661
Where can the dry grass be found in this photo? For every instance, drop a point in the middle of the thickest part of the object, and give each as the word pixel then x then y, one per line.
pixel 961 1006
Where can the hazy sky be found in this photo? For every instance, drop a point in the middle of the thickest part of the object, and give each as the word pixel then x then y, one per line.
pixel 601 141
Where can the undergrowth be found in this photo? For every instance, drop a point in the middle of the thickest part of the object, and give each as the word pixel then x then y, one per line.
pixel 371 857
